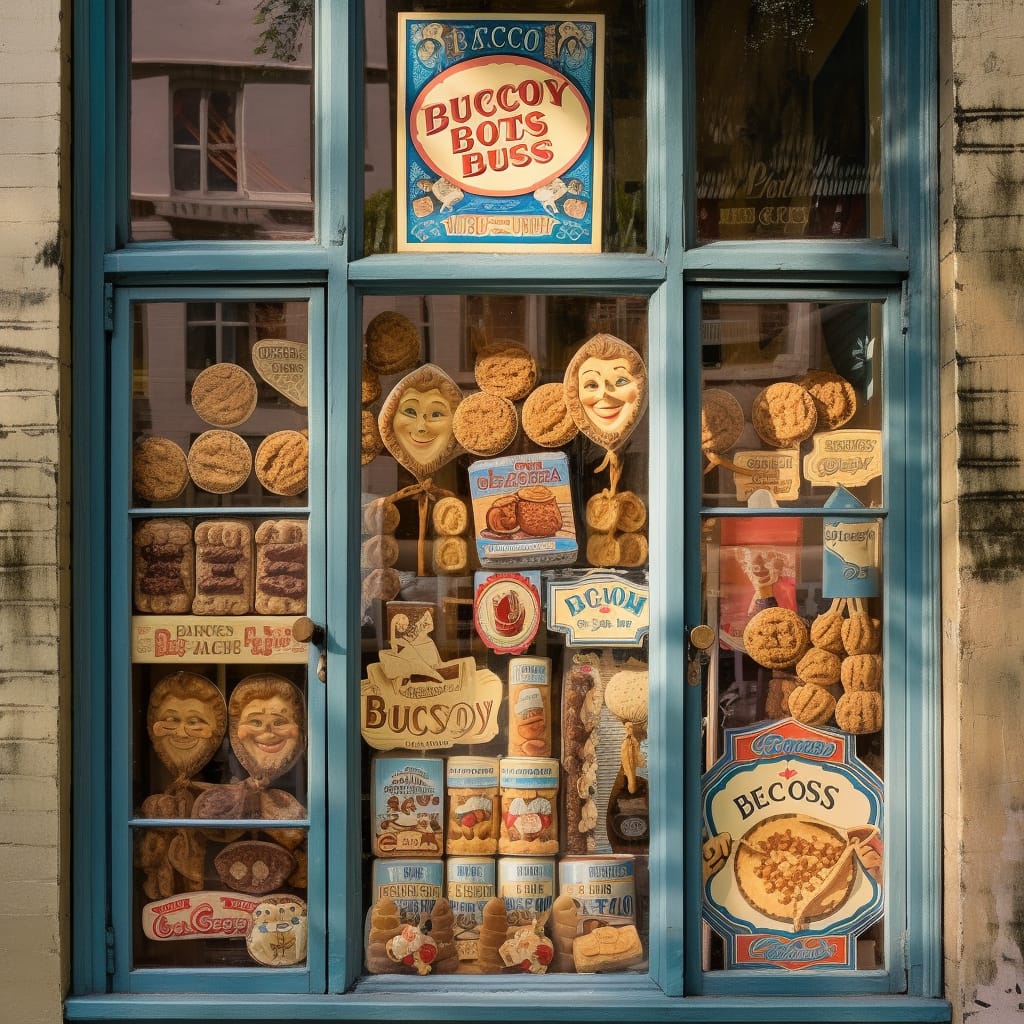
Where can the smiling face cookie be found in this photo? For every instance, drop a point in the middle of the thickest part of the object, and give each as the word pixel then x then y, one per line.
pixel 185 720
pixel 605 390
pixel 266 725
pixel 417 420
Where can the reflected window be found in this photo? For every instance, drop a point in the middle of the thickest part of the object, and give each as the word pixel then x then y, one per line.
pixel 205 144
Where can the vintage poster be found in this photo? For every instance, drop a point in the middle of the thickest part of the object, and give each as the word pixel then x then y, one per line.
pixel 792 847
pixel 499 142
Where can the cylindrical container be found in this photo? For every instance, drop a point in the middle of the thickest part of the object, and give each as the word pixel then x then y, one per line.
pixel 472 801
pixel 414 885
pixel 529 806
pixel 471 882
pixel 527 885
pixel 529 707
pixel 603 887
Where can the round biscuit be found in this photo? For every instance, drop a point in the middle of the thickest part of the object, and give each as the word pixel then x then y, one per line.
pixel 721 420
pixel 371 442
pixel 546 418
pixel 282 462
pixel 224 395
pixel 776 637
pixel 834 398
pixel 507 369
pixel 219 461
pixel 392 342
pixel 784 414
pixel 159 469
pixel 485 424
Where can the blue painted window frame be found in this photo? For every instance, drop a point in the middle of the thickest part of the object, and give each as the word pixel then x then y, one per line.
pixel 899 269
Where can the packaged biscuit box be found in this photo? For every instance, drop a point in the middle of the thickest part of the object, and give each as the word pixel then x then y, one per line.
pixel 522 510
pixel 406 800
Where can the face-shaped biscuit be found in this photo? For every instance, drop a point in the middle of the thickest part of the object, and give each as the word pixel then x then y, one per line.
pixel 266 725
pixel 186 719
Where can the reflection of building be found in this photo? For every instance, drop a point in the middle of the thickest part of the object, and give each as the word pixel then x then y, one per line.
pixel 221 134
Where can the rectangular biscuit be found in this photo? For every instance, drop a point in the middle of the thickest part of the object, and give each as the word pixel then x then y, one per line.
pixel 224 569
pixel 163 567
pixel 281 567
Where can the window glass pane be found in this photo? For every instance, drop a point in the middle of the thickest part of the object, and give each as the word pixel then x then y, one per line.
pixel 218 687
pixel 622 204
pixel 214 75
pixel 505 745
pixel 790 148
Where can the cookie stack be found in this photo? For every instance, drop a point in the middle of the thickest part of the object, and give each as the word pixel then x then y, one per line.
pixel 380 551
pixel 451 549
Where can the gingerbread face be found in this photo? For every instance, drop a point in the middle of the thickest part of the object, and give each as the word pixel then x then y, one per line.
pixel 266 717
pixel 186 721
pixel 605 390
pixel 416 421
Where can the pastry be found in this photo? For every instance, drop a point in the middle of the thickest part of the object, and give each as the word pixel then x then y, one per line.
pixel 633 549
pixel 776 637
pixel 371 444
pixel 827 629
pixel 602 512
pixel 859 712
pixel 282 462
pixel 492 934
pixel 546 418
pixel 392 343
pixel 506 369
pixel 159 469
pixel 451 556
pixel 380 516
pixel 281 555
pixel 721 420
pixel 784 415
pixel 862 672
pixel 380 550
pixel 819 667
pixel 219 461
pixel 163 567
pixel 603 549
pixel 538 511
pixel 385 924
pixel 369 385
pixel 485 424
pixel 224 577
pixel 812 705
pixel 224 395
pixel 632 512
pixel 834 398
pixel 451 517
pixel 861 634
pixel 607 949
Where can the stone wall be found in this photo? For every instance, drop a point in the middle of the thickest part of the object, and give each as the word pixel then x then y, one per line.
pixel 33 516
pixel 982 275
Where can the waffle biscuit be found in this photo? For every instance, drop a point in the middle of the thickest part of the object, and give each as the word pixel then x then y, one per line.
pixel 783 415
pixel 371 444
pixel 507 369
pixel 546 417
pixel 776 637
pixel 392 343
pixel 282 462
pixel 834 398
pixel 485 424
pixel 451 517
pixel 219 461
pixel 224 395
pixel 159 469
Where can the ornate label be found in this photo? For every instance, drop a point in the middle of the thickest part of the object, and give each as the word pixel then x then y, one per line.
pixel 851 458
pixel 599 608
pixel 777 472
pixel 284 366
pixel 199 915
pixel 506 610
pixel 183 639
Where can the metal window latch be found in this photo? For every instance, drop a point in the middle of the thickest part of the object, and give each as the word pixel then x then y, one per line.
pixel 306 631
pixel 702 638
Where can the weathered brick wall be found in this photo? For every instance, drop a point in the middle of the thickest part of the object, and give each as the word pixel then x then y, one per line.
pixel 33 518
pixel 983 505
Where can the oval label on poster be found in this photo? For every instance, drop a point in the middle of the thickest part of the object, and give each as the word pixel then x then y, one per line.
pixel 500 126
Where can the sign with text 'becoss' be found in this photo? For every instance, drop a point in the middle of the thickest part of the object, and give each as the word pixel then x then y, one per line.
pixel 500 133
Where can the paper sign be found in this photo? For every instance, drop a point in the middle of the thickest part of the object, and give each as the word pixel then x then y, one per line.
pixel 851 458
pixel 850 551
pixel 186 639
pixel 506 610
pixel 600 608
pixel 777 472
pixel 199 915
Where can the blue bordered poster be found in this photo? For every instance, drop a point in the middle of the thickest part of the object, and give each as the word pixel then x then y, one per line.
pixel 500 133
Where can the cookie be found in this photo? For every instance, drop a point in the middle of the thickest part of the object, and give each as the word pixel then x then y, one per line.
pixel 379 551
pixel 485 424
pixel 450 556
pixel 282 462
pixel 818 667
pixel 835 401
pixel 632 549
pixel 603 549
pixel 381 585
pixel 784 415
pixel 372 444
pixel 451 517
pixel 632 512
pixel 159 469
pixel 380 516
pixel 392 343
pixel 224 395
pixel 224 571
pixel 780 686
pixel 507 369
pixel 163 567
pixel 546 418
pixel 602 512
pixel 538 511
pixel 281 557
pixel 776 637
pixel 812 705
pixel 721 420
pixel 219 461
pixel 369 384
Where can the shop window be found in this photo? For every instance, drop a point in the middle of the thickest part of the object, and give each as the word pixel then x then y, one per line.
pixel 205 155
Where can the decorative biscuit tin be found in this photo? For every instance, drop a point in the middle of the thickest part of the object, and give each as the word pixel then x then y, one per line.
pixel 406 806
pixel 527 885
pixel 414 885
pixel 469 883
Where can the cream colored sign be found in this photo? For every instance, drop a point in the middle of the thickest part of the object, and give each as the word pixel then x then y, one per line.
pixel 852 458
pixel 777 472
pixel 284 365
pixel 184 639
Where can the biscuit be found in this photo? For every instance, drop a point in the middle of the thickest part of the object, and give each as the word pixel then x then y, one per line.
pixel 835 401
pixel 783 415
pixel 451 517
pixel 485 424
pixel 381 584
pixel 392 343
pixel 281 574
pixel 776 637
pixel 859 712
pixel 780 686
pixel 507 369
pixel 546 418
pixel 603 549
pixel 827 631
pixel 607 948
pixel 159 469
pixel 219 461
pixel 818 667
pixel 632 549
pixel 626 695
pixel 632 512
pixel 539 514
pixel 224 576
pixel 282 462
pixel 862 672
pixel 450 556
pixel 380 516
pixel 602 512
pixel 369 384
pixel 721 420
pixel 224 395
pixel 379 551
pixel 163 567
pixel 812 705
pixel 253 866
pixel 371 444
